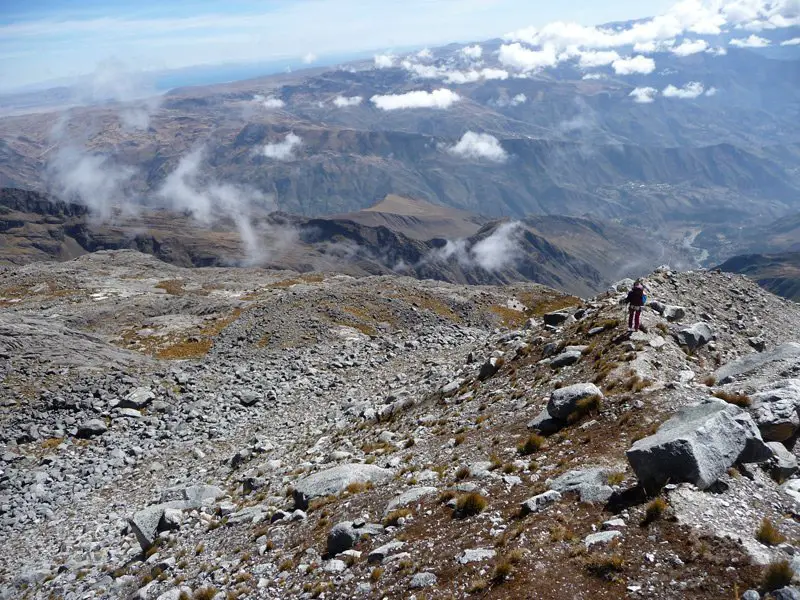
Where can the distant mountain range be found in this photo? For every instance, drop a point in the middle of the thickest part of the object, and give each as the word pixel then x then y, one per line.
pixel 573 254
pixel 698 151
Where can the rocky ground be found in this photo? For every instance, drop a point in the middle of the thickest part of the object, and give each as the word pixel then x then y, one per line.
pixel 241 433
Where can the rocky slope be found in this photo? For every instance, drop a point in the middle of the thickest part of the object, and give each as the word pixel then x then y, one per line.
pixel 242 433
pixel 778 273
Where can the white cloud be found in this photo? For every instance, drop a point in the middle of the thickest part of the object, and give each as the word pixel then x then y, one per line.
pixel 590 76
pixel 644 95
pixel 499 249
pixel 653 46
pixel 690 91
pixel 345 101
pixel 638 64
pixel 309 58
pixel 490 74
pixel 712 91
pixel 384 61
pixel 601 58
pixel 462 77
pixel 441 98
pixel 270 102
pixel 473 52
pixel 753 41
pixel 791 42
pixel 688 47
pixel 717 51
pixel 284 150
pixel 504 101
pixel 479 146
pixel 526 60
pixel 425 54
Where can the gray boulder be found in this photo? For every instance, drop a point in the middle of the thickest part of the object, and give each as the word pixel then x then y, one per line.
pixel 335 480
pixel 695 336
pixel 590 484
pixel 784 463
pixel 673 313
pixel 490 367
pixel 422 580
pixel 545 423
pixel 198 495
pixel 785 354
pixel 410 497
pixel 787 593
pixel 91 428
pixel 138 398
pixel 343 536
pixel 751 595
pixel 697 445
pixel 569 357
pixel 378 554
pixel 556 318
pixel 776 411
pixel 564 401
pixel 537 503
pixel 145 524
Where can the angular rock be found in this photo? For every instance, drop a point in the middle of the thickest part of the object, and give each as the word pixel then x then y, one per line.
pixel 537 503
pixel 695 336
pixel 343 536
pixel 591 484
pixel 601 537
pixel 544 423
pixel 197 496
pixel 490 367
pixel 784 463
pixel 145 524
pixel 422 580
pixel 334 566
pixel 91 428
pixel 476 555
pixel 556 318
pixel 787 593
pixel 673 313
pixel 564 400
pixel 138 399
pixel 785 353
pixel 378 554
pixel 775 411
pixel 697 445
pixel 751 595
pixel 334 481
pixel 410 497
pixel 567 358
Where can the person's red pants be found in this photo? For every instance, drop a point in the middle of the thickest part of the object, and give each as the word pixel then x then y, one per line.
pixel 634 315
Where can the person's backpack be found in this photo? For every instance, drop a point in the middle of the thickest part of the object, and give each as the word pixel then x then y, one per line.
pixel 644 299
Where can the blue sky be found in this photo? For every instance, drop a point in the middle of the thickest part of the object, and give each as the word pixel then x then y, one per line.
pixel 44 40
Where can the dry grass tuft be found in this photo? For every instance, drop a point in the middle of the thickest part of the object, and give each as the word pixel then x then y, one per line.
pixel 777 575
pixel 376 574
pixel 533 443
pixel 393 518
pixel 586 406
pixel 469 505
pixel 709 380
pixel 654 511
pixel 768 534
pixel 205 593
pixel 741 400
pixel 462 473
pixel 358 487
pixel 173 287
pixel 605 566
pixel 51 443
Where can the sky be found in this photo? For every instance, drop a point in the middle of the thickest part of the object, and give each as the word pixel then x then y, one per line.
pixel 55 40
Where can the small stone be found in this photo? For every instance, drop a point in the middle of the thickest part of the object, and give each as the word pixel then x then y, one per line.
pixel 601 537
pixel 422 580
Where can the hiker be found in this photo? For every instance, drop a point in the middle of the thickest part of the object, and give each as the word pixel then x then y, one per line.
pixel 635 300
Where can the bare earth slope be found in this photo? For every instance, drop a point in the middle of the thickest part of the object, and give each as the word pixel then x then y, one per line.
pixel 233 392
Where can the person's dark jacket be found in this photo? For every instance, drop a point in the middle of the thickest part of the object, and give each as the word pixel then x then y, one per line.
pixel 635 297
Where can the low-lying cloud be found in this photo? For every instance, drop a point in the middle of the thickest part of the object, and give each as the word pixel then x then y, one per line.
pixel 526 60
pixel 688 47
pixel 753 41
pixel 479 146
pixel 384 61
pixel 439 99
pixel 497 251
pixel 347 101
pixel 601 58
pixel 269 102
pixel 504 101
pixel 690 91
pixel 472 52
pixel 636 65
pixel 791 42
pixel 644 95
pixel 284 150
